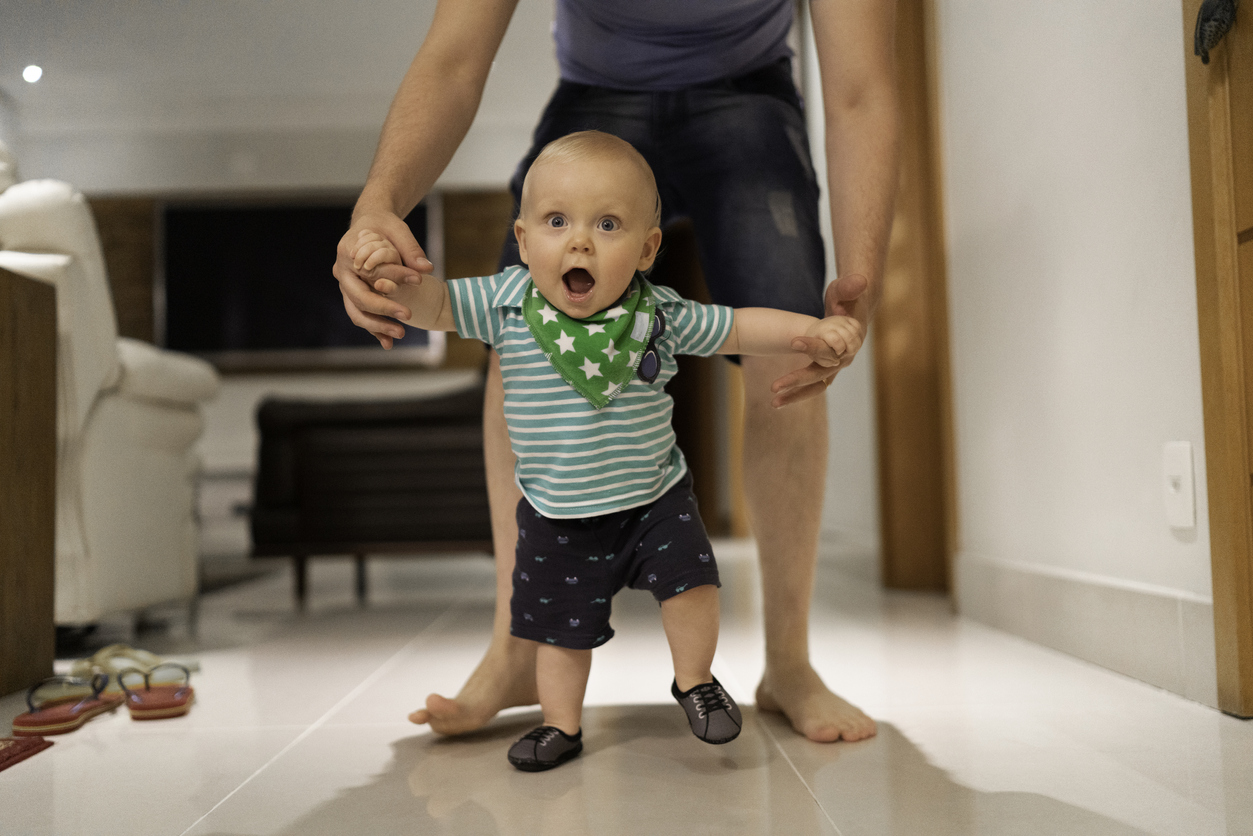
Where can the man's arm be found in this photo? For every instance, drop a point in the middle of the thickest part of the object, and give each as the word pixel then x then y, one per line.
pixel 428 119
pixel 855 42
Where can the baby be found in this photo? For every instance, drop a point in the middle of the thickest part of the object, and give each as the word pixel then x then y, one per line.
pixel 586 347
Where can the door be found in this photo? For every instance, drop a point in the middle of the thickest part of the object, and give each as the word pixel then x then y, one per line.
pixel 1220 134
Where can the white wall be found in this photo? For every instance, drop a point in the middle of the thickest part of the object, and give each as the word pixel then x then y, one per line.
pixel 1074 329
pixel 150 96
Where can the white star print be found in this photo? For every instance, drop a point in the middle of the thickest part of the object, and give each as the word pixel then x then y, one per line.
pixel 566 342
pixel 614 313
pixel 598 328
pixel 535 291
pixel 609 390
pixel 612 351
pixel 590 369
pixel 631 359
pixel 548 314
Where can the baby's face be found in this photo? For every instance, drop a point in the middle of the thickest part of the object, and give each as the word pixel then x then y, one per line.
pixel 585 227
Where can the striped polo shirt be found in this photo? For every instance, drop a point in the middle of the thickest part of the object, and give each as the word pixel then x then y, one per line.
pixel 573 459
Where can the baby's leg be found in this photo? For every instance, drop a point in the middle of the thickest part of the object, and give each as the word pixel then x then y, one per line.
pixel 691 623
pixel 561 677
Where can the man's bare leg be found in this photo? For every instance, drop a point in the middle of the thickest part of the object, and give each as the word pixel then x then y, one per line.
pixel 506 675
pixel 785 459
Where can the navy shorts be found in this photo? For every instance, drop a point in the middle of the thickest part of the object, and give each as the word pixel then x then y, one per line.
pixel 567 571
pixel 733 156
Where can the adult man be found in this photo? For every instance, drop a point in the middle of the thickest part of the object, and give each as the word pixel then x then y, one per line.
pixel 652 71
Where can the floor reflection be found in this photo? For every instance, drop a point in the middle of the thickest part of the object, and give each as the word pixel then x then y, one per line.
pixel 642 773
pixel 886 787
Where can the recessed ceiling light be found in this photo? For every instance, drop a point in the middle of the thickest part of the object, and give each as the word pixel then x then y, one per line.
pixel 33 73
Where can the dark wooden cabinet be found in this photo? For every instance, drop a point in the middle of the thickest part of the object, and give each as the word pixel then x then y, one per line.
pixel 28 456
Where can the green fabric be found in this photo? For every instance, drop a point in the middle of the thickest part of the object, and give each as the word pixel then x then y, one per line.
pixel 598 355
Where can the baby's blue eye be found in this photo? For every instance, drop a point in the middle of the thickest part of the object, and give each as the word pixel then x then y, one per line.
pixel 556 221
pixel 608 225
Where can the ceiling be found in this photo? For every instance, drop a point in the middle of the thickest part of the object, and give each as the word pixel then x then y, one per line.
pixel 132 74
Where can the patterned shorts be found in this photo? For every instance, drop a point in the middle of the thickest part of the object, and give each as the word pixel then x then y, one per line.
pixel 567 571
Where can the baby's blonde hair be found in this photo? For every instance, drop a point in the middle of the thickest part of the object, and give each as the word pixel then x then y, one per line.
pixel 586 145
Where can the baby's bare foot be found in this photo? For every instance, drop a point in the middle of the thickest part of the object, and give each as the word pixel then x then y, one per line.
pixel 812 709
pixel 505 678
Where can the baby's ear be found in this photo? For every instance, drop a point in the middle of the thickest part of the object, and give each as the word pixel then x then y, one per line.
pixel 652 243
pixel 519 232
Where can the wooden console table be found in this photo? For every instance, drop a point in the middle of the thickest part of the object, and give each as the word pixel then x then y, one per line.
pixel 28 458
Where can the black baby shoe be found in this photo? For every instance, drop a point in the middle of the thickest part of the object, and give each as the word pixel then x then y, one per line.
pixel 713 715
pixel 543 748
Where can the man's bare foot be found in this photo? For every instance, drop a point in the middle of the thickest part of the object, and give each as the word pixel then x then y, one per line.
pixel 505 678
pixel 811 707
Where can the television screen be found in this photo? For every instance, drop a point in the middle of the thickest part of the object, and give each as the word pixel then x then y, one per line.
pixel 250 286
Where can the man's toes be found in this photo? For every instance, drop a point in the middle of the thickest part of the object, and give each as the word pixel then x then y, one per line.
pixel 439 713
pixel 441 707
pixel 825 734
pixel 861 730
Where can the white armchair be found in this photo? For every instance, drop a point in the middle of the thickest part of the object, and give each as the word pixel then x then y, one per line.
pixel 128 416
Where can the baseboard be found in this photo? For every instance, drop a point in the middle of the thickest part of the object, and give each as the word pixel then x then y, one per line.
pixel 1159 636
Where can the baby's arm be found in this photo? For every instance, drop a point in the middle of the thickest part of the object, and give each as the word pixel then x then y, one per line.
pixel 766 331
pixel 830 343
pixel 428 300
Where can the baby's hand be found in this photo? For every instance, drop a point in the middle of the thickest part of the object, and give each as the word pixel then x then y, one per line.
pixel 831 342
pixel 373 250
pixel 375 260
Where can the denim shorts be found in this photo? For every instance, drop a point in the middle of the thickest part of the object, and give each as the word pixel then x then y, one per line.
pixel 733 156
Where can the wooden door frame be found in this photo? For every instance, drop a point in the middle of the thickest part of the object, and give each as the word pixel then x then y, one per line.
pixel 917 485
pixel 1224 311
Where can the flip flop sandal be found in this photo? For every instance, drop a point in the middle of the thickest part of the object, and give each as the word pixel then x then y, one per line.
pixel 65 713
pixel 160 700
pixel 115 658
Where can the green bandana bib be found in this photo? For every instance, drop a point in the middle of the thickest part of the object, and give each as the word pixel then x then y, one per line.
pixel 598 355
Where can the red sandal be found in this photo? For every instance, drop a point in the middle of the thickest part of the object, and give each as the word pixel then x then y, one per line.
pixel 61 714
pixel 159 701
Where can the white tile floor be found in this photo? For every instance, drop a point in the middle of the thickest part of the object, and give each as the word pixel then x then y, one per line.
pixel 299 728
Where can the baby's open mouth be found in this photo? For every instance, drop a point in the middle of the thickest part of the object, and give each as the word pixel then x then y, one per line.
pixel 578 282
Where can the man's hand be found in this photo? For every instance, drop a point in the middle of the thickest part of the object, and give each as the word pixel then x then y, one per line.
pixel 363 289
pixel 845 297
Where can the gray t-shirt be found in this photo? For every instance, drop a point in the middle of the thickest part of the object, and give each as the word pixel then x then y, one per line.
pixel 668 44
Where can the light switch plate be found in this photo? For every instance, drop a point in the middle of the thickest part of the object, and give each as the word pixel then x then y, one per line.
pixel 1178 487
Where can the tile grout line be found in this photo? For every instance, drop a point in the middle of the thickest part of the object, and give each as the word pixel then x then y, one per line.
pixel 730 675
pixel 800 778
pixel 321 721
